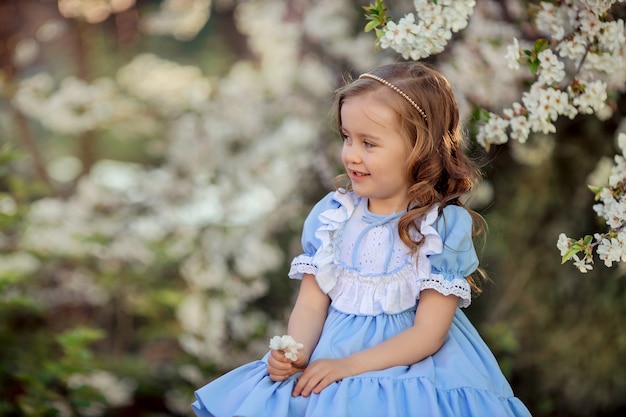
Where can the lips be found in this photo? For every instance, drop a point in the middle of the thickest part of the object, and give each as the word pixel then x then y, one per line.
pixel 356 175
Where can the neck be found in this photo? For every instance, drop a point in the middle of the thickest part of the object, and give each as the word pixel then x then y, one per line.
pixel 385 208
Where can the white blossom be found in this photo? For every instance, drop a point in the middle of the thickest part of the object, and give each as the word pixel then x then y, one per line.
pixel 573 48
pixel 551 69
pixel 494 132
pixel 550 19
pixel 287 344
pixel 592 99
pixel 180 87
pixel 182 19
pixel 612 36
pixel 513 54
pixel 563 243
pixel 76 106
pixel 18 263
pixel 582 264
pixel 428 31
pixel 93 11
pixel 611 245
pixel 118 392
pixel 593 51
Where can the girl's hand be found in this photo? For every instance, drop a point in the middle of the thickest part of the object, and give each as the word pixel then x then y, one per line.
pixel 279 367
pixel 321 374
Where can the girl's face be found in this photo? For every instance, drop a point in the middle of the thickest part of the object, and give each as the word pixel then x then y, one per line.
pixel 375 153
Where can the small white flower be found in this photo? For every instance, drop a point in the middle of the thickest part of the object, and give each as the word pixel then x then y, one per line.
pixel 563 244
pixel 287 344
pixel 551 69
pixel 582 264
pixel 494 132
pixel 573 48
pixel 513 54
pixel 593 99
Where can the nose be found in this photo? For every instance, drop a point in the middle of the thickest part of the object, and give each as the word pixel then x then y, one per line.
pixel 350 154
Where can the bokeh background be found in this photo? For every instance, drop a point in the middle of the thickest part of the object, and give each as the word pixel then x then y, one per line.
pixel 158 158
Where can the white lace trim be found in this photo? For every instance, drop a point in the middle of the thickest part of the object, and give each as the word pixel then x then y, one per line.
pixel 302 264
pixel 458 286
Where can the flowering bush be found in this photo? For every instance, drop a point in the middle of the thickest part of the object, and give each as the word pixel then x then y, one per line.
pixel 423 33
pixel 611 245
pixel 575 66
pixel 580 37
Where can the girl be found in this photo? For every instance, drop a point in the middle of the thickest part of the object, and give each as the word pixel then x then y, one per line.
pixel 388 261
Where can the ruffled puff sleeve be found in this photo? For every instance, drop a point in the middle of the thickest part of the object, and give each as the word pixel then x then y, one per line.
pixel 457 259
pixel 325 217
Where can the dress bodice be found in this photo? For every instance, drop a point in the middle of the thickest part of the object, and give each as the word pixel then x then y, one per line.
pixel 359 260
pixel 370 243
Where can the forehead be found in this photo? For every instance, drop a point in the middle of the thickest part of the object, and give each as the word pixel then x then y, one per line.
pixel 373 106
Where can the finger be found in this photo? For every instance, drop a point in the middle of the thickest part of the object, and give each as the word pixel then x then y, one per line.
pixel 310 385
pixel 300 383
pixel 278 364
pixel 280 370
pixel 279 355
pixel 275 374
pixel 326 381
pixel 278 378
pixel 308 388
pixel 306 383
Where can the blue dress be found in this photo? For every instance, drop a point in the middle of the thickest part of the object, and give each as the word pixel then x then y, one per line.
pixel 374 282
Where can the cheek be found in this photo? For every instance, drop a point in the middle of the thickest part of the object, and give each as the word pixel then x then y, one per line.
pixel 344 153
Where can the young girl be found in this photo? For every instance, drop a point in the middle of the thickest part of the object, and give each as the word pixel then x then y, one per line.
pixel 387 264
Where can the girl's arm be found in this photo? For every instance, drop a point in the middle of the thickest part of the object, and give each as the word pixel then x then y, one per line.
pixel 305 326
pixel 433 318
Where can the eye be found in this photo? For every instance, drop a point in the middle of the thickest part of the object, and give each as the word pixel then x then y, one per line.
pixel 368 144
pixel 346 138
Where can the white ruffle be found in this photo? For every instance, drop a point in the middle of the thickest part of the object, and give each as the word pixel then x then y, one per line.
pixel 371 295
pixel 331 221
pixel 432 245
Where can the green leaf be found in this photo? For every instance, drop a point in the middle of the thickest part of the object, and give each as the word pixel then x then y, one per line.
pixel 483 115
pixel 534 66
pixel 570 252
pixel 371 25
pixel 379 33
pixel 540 45
pixel 8 154
pixel 596 190
pixel 376 14
pixel 76 339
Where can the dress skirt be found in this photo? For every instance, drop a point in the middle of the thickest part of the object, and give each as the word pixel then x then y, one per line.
pixel 461 379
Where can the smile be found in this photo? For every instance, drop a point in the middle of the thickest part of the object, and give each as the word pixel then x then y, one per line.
pixel 357 174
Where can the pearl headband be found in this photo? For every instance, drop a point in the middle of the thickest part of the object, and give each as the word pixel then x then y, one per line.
pixel 397 90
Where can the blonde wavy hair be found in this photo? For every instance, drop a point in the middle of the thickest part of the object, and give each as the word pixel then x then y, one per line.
pixel 440 172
